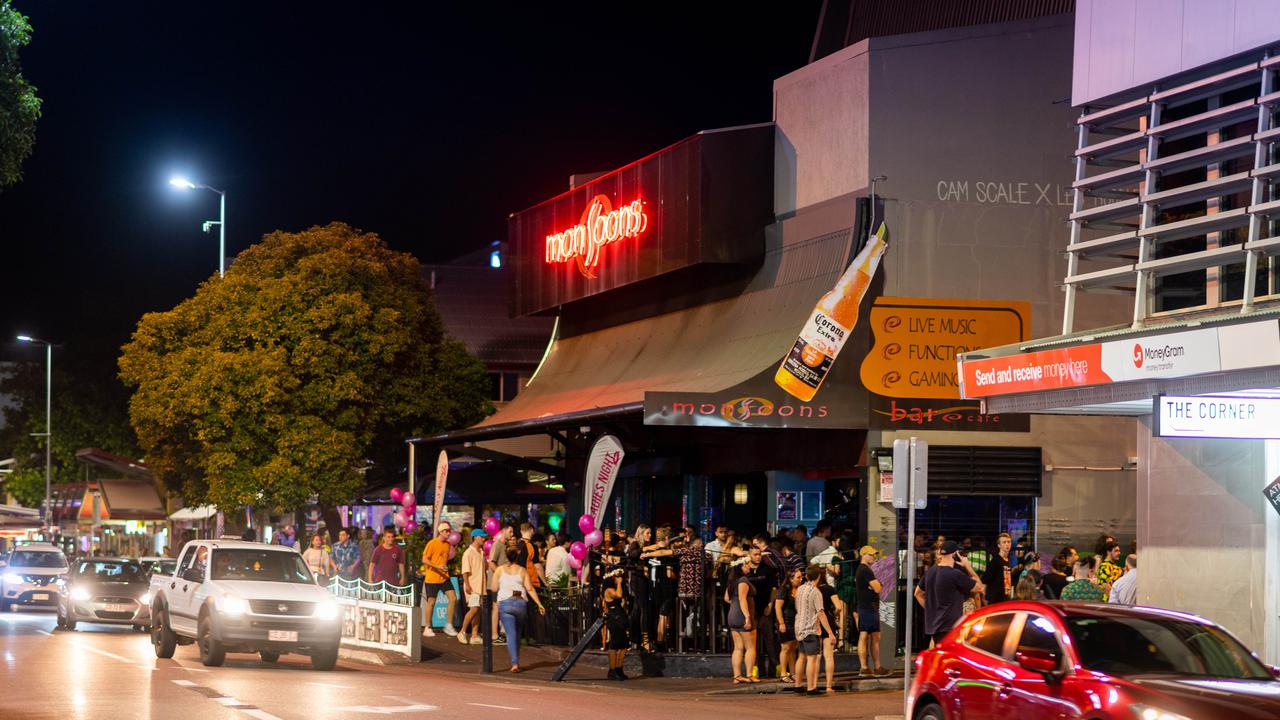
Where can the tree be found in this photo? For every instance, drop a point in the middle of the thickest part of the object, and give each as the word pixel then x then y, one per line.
pixel 273 385
pixel 19 106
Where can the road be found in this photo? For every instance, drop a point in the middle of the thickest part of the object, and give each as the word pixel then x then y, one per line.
pixel 102 671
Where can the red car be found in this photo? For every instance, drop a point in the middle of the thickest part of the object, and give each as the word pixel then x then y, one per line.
pixel 1088 661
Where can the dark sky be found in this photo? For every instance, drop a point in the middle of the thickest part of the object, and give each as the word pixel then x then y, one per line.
pixel 424 127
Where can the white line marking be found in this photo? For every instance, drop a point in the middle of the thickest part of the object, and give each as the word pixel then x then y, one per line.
pixel 260 714
pixel 121 658
pixel 184 683
pixel 46 632
pixel 331 685
pixel 180 667
pixel 228 701
pixel 500 707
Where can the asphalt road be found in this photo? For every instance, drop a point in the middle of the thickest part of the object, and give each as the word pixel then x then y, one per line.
pixel 101 671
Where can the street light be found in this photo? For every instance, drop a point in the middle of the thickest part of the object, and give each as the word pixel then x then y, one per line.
pixel 48 422
pixel 184 184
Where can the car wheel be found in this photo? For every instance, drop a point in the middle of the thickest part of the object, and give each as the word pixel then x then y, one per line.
pixel 324 659
pixel 268 656
pixel 4 606
pixel 212 654
pixel 70 621
pixel 932 711
pixel 60 620
pixel 162 638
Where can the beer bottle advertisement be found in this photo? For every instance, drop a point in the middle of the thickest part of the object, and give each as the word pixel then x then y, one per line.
pixel 830 324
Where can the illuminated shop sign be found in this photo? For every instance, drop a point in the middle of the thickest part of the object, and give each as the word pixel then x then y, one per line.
pixel 601 225
pixel 1217 416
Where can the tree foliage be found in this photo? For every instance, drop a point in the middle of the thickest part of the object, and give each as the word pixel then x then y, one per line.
pixel 89 410
pixel 275 384
pixel 19 105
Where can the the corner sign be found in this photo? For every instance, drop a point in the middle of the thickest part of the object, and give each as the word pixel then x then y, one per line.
pixel 601 225
pixel 1217 416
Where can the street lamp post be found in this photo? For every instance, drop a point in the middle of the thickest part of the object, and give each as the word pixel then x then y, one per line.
pixel 221 222
pixel 48 424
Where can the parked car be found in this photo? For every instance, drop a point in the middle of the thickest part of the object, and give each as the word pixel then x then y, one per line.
pixel 114 591
pixel 28 574
pixel 154 564
pixel 1088 661
pixel 236 596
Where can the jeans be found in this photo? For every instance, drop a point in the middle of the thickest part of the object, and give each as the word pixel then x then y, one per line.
pixel 510 613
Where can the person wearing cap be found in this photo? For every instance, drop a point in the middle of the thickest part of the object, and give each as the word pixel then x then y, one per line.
pixel 435 563
pixel 867 591
pixel 944 589
pixel 473 568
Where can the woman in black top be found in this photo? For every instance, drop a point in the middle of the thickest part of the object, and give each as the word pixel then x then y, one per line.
pixel 832 606
pixel 616 622
pixel 742 613
pixel 785 611
pixel 1061 568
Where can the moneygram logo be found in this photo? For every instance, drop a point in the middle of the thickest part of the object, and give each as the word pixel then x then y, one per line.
pixel 1166 354
pixel 1137 355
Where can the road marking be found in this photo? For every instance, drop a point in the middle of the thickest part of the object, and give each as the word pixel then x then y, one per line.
pixel 91 649
pixel 500 707
pixel 227 701
pixel 386 709
pixel 46 632
pixel 184 683
pixel 331 685
pixel 181 667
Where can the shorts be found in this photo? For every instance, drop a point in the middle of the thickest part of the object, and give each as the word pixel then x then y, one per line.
pixel 430 590
pixel 473 600
pixel 810 645
pixel 868 620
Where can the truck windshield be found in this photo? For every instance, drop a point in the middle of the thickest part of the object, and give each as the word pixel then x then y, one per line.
pixel 261 565
pixel 37 559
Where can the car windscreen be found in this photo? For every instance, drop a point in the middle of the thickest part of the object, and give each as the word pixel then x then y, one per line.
pixel 1144 645
pixel 36 559
pixel 164 567
pixel 109 571
pixel 264 565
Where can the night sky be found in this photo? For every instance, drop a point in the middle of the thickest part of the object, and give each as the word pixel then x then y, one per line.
pixel 426 128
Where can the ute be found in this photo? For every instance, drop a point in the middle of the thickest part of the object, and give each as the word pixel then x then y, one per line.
pixel 234 596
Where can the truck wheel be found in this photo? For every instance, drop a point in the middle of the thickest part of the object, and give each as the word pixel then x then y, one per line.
pixel 162 638
pixel 268 656
pixel 324 659
pixel 70 622
pixel 212 654
pixel 60 620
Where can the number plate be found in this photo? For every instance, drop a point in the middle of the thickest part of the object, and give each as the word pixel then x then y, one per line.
pixel 118 607
pixel 282 635
pixel 39 596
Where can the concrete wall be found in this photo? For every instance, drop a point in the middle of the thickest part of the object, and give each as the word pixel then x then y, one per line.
pixel 821 147
pixel 1121 44
pixel 1202 532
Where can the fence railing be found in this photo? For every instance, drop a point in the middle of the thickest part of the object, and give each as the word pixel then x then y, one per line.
pixel 381 591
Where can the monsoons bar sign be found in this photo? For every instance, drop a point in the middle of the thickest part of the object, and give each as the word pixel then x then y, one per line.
pixel 601 225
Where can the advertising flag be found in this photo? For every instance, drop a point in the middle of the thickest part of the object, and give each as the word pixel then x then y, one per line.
pixel 602 469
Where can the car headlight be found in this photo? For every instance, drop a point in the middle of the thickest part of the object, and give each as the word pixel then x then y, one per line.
pixel 1146 712
pixel 80 594
pixel 13 578
pixel 145 599
pixel 234 605
pixel 327 610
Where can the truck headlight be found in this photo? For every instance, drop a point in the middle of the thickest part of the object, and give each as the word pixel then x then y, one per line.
pixel 80 594
pixel 234 605
pixel 327 610
pixel 13 578
pixel 145 599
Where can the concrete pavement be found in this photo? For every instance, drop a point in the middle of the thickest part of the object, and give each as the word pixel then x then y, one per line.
pixel 109 672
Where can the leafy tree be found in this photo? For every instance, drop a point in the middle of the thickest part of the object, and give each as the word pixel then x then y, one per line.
pixel 19 106
pixel 275 384
pixel 89 410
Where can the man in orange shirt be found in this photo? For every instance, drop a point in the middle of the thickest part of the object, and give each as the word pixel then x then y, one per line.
pixel 435 562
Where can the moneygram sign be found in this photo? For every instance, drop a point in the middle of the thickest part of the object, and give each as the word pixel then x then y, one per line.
pixel 1156 357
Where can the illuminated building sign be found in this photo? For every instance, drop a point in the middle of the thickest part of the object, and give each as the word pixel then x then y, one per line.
pixel 1217 416
pixel 601 225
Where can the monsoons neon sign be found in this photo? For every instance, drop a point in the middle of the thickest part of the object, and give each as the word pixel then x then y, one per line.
pixel 601 225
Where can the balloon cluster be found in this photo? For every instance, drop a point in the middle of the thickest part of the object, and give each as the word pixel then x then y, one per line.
pixel 591 537
pixel 403 518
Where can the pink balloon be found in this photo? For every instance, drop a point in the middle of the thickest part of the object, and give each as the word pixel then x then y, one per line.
pixel 399 519
pixel 408 500
pixel 396 495
pixel 411 526
pixel 488 545
pixel 492 526
pixel 594 538
pixel 586 524
pixel 454 538
pixel 574 562
pixel 578 550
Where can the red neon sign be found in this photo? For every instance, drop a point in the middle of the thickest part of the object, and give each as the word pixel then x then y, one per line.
pixel 601 225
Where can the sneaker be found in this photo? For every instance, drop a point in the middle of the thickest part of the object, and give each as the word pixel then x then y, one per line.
pixel 500 641
pixel 429 632
pixel 476 640
pixel 882 672
pixel 450 631
pixel 864 673
pixel 462 638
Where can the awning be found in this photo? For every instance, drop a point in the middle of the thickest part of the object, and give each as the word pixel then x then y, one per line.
pixel 200 512
pixel 703 349
pixel 124 500
pixel 15 516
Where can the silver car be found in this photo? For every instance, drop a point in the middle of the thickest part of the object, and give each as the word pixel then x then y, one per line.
pixel 29 576
pixel 115 591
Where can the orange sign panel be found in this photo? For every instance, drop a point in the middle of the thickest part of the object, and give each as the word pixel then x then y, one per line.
pixel 917 341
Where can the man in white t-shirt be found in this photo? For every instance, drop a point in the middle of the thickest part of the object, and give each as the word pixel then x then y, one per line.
pixel 473 571
pixel 557 564
pixel 1125 590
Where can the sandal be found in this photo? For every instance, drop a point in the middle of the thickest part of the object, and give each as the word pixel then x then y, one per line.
pixel 753 680
pixel 738 680
pixel 787 679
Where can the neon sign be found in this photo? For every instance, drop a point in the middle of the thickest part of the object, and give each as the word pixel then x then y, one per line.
pixel 600 225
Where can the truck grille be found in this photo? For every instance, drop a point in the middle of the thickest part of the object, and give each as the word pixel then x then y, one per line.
pixel 281 607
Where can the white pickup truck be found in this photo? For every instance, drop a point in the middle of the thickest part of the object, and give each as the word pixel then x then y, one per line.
pixel 235 596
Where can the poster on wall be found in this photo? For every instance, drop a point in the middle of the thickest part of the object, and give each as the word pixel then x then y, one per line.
pixel 787 503
pixel 911 369
pixel 1272 493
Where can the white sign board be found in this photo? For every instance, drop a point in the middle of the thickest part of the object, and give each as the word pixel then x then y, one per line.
pixel 1217 416
pixel 384 626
